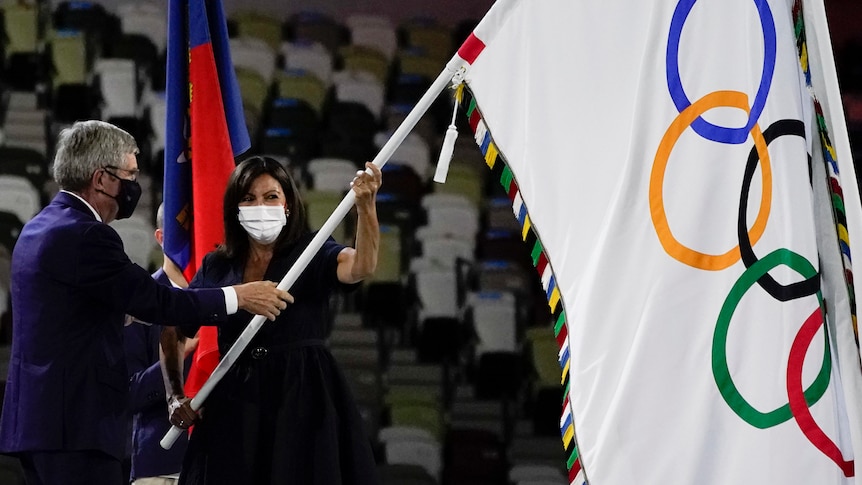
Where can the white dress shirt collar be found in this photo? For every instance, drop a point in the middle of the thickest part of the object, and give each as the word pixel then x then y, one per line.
pixel 98 217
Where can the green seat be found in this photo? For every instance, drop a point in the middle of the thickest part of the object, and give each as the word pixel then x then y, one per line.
pixel 364 58
pixel 417 62
pixel 463 180
pixel 261 26
pixel 302 85
pixel 544 352
pixel 390 256
pixel 413 394
pixel 422 416
pixel 433 38
pixel 69 57
pixel 253 87
pixel 21 24
pixel 319 206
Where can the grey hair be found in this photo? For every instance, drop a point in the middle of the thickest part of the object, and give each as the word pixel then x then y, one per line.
pixel 87 146
pixel 160 216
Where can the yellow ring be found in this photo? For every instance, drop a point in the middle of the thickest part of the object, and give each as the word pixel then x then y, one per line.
pixel 678 251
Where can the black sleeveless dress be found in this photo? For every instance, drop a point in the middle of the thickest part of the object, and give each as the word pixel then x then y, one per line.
pixel 284 413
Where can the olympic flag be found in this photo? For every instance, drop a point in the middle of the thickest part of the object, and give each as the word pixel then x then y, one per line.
pixel 205 129
pixel 681 173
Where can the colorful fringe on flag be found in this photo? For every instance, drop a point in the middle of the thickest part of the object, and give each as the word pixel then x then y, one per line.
pixel 501 172
pixel 838 209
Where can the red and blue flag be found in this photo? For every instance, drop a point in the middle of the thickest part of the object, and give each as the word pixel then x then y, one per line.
pixel 205 130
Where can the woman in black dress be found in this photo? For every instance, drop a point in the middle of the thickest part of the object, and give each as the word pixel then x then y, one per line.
pixel 283 414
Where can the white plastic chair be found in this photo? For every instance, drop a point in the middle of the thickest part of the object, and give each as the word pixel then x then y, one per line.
pixel 360 87
pixel 445 249
pixel 158 115
pixel 147 19
pixel 138 239
pixel 18 196
pixel 423 452
pixel 495 321
pixel 309 56
pixel 436 287
pixel 452 220
pixel 374 31
pixel 331 174
pixel 254 54
pixel 118 85
pixel 413 152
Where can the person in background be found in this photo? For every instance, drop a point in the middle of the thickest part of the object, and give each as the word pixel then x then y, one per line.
pixel 284 412
pixel 151 464
pixel 64 410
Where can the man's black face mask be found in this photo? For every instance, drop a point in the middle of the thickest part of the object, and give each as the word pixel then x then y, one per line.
pixel 127 198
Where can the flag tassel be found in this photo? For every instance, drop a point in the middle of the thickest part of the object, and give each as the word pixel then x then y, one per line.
pixel 448 147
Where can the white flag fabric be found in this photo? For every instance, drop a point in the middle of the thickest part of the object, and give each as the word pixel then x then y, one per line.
pixel 666 161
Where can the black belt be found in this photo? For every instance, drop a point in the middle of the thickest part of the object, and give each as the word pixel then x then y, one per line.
pixel 260 352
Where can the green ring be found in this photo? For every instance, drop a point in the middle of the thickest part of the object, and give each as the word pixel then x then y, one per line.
pixel 720 369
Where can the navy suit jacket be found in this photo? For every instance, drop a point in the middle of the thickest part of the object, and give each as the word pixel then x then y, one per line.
pixel 72 285
pixel 148 401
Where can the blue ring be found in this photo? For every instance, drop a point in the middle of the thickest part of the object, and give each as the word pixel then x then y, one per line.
pixel 702 127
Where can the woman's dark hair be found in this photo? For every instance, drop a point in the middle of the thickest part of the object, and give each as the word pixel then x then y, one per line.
pixel 235 238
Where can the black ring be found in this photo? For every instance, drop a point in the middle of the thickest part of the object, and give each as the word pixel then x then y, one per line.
pixel 778 291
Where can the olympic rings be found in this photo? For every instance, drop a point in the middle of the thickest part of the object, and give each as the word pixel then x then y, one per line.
pixel 797 398
pixel 674 248
pixel 780 292
pixel 720 369
pixel 680 99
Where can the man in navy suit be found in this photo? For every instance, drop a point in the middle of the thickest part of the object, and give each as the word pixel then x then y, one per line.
pixel 64 412
pixel 151 464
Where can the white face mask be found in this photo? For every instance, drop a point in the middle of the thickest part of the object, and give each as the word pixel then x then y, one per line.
pixel 262 222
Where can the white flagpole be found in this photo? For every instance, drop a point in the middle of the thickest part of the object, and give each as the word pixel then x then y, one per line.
pixel 439 84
